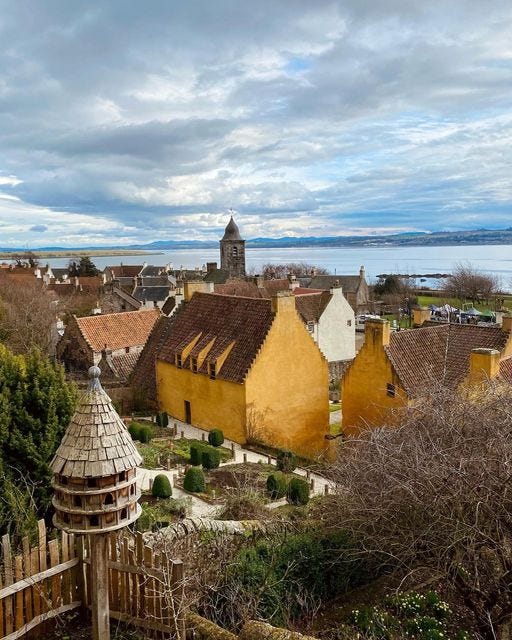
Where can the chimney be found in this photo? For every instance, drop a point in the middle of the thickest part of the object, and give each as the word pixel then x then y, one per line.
pixel 191 286
pixel 362 272
pixel 376 333
pixel 420 315
pixel 283 302
pixel 484 364
pixel 292 280
pixel 259 281
pixel 506 323
pixel 211 266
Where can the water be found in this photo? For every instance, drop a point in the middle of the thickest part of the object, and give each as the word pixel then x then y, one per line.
pixel 496 259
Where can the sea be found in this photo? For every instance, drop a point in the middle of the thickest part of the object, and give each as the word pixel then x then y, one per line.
pixel 495 259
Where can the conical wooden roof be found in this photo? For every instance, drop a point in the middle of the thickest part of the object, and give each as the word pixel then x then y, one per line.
pixel 96 443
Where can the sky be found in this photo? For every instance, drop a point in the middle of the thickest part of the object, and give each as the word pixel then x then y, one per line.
pixel 127 122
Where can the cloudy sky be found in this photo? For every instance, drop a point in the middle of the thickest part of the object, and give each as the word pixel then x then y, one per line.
pixel 129 121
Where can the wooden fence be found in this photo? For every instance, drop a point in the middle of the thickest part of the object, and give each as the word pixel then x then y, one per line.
pixel 53 577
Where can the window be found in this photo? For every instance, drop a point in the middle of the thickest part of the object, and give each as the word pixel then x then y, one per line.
pixel 311 327
pixel 390 390
pixel 235 252
pixel 109 499
pixel 178 360
pixel 193 364
pixel 124 514
pixel 349 323
pixel 77 501
pixel 213 370
pixel 94 521
pixel 91 483
pixel 127 349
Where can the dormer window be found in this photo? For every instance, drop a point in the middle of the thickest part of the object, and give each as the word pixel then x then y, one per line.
pixel 178 361
pixel 127 349
pixel 193 364
pixel 212 370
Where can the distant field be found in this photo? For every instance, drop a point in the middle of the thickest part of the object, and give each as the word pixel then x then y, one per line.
pixel 11 255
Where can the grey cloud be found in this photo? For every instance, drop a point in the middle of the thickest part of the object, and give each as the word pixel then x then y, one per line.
pixel 39 228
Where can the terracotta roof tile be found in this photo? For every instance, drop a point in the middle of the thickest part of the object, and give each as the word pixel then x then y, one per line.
pixel 506 369
pixel 243 322
pixel 118 330
pixel 429 356
pixel 125 270
pixel 311 307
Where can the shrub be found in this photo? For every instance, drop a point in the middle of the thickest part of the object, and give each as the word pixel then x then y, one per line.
pixel 161 486
pixel 164 419
pixel 133 430
pixel 210 458
pixel 298 491
pixel 216 437
pixel 286 461
pixel 277 485
pixel 158 419
pixel 196 454
pixel 145 433
pixel 194 480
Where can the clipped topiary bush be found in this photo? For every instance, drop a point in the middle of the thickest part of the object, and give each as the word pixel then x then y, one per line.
pixel 210 458
pixel 216 437
pixel 133 430
pixel 145 433
pixel 194 480
pixel 161 486
pixel 298 491
pixel 277 485
pixel 196 457
pixel 286 461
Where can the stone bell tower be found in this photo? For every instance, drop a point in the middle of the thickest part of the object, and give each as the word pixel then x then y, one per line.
pixel 232 251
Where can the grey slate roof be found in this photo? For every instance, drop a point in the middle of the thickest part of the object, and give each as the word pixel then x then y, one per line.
pixel 349 284
pixel 151 294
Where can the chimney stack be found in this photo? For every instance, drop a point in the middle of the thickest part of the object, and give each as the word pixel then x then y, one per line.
pixel 361 271
pixel 283 301
pixel 484 364
pixel 376 333
pixel 506 323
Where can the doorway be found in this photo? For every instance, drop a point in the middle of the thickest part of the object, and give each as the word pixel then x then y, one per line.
pixel 188 412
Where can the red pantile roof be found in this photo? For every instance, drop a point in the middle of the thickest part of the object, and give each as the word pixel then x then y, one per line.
pixel 228 320
pixel 118 330
pixel 506 369
pixel 430 356
pixel 312 306
pixel 125 270
pixel 304 291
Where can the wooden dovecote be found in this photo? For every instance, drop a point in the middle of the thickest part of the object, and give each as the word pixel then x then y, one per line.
pixel 94 468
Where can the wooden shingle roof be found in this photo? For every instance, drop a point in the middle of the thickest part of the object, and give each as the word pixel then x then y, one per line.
pixel 438 355
pixel 118 330
pixel 230 321
pixel 96 443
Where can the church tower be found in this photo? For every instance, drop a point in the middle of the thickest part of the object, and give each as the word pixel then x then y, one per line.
pixel 232 251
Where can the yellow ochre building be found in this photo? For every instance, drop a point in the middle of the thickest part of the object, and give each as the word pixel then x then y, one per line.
pixel 247 366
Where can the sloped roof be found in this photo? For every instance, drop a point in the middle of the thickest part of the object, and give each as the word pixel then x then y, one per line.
pixel 349 284
pixel 119 366
pixel 304 291
pixel 243 322
pixel 506 369
pixel 118 330
pixel 438 355
pixel 96 442
pixel 155 281
pixel 217 276
pixel 169 305
pixel 144 373
pixel 151 294
pixel 125 270
pixel 151 271
pixel 240 288
pixel 231 232
pixel 90 283
pixel 311 307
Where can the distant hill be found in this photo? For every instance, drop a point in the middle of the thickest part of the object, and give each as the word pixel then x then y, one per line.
pixel 418 239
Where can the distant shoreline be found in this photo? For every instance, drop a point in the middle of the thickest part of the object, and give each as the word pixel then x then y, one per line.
pixel 78 253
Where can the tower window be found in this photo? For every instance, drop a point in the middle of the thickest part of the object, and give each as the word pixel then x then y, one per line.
pixel 235 252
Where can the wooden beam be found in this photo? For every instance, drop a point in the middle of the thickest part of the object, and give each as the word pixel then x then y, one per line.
pixel 37 577
pixel 42 618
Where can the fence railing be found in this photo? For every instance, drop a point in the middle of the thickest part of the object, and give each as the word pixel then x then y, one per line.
pixel 51 578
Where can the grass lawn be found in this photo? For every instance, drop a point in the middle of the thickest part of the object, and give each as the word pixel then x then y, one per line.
pixel 424 301
pixel 180 448
pixel 335 406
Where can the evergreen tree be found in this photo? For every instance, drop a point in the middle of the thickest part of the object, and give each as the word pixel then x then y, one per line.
pixel 36 405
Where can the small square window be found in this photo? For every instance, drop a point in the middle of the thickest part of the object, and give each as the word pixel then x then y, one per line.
pixel 193 364
pixel 390 390
pixel 127 349
pixel 349 323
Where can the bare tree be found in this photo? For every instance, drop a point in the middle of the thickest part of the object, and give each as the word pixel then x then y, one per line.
pixel 436 493
pixel 467 283
pixel 298 269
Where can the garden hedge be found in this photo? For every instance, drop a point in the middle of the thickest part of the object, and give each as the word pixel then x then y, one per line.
pixel 277 485
pixel 194 480
pixel 216 437
pixel 161 486
pixel 196 451
pixel 210 458
pixel 298 491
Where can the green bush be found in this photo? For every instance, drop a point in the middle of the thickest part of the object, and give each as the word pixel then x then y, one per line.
pixel 164 419
pixel 161 486
pixel 277 485
pixel 210 458
pixel 298 491
pixel 286 461
pixel 194 480
pixel 196 454
pixel 216 437
pixel 145 433
pixel 133 430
